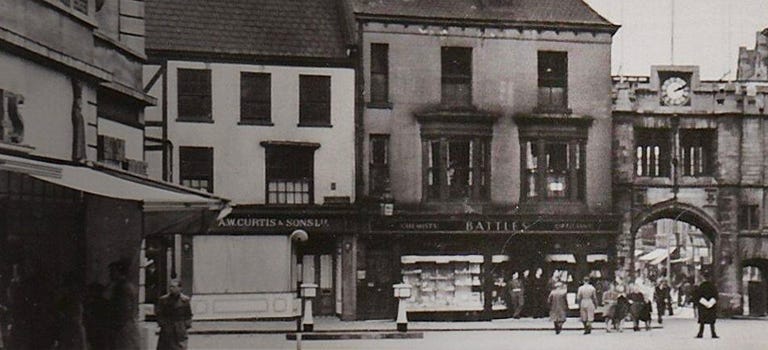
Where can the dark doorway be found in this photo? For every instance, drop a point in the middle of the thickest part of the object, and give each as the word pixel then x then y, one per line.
pixel 757 298
pixel 379 300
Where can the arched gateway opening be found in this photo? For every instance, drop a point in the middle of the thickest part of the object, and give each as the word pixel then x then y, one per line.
pixel 755 286
pixel 674 237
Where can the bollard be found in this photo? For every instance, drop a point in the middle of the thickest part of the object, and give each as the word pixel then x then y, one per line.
pixel 308 292
pixel 402 292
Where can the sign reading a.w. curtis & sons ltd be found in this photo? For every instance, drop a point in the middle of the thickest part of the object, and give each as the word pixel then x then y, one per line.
pixel 282 224
pixel 495 226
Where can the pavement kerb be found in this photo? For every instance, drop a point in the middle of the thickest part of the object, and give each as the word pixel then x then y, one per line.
pixel 393 329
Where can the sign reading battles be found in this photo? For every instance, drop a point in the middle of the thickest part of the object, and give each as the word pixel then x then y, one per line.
pixel 505 226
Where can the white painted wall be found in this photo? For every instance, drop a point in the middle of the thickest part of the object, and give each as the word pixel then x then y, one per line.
pixel 239 167
pixel 47 110
pixel 134 137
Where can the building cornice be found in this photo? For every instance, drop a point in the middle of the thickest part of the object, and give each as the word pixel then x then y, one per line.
pixel 156 56
pixel 493 23
pixel 47 54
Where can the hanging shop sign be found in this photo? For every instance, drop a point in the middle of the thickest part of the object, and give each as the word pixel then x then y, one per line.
pixel 496 226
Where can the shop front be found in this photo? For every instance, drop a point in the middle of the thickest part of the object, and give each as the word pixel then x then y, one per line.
pixel 252 262
pixel 62 224
pixel 461 267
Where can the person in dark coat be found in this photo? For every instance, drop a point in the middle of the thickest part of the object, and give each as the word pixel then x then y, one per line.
pixel 705 298
pixel 558 306
pixel 540 293
pixel 639 309
pixel 122 309
pixel 174 315
pixel 663 299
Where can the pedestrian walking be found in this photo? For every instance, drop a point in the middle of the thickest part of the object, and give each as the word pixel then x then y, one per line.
pixel 663 300
pixel 174 315
pixel 640 308
pixel 558 305
pixel 516 295
pixel 540 293
pixel 705 298
pixel 586 298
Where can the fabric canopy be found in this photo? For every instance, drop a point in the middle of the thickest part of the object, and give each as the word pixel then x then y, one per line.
pixel 655 257
pixel 153 195
pixel 566 258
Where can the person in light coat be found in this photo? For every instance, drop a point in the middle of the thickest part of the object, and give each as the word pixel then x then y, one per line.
pixel 558 305
pixel 586 298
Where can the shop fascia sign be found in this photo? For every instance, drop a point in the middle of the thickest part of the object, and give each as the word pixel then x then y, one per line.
pixel 494 225
pixel 255 224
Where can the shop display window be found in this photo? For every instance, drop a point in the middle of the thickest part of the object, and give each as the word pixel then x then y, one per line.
pixel 500 276
pixel 444 282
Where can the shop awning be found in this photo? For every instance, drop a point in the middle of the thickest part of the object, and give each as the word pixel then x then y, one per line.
pixel 566 258
pixel 596 257
pixel 657 256
pixel 152 195
pixel 652 255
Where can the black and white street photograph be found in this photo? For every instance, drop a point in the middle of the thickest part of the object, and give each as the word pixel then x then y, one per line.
pixel 383 174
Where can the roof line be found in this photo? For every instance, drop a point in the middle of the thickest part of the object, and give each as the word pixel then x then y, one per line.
pixel 561 26
pixel 162 55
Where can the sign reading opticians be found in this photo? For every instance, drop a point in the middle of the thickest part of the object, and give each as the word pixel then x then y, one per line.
pixel 286 224
pixel 495 226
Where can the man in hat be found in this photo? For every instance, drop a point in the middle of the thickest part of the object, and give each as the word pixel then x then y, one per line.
pixel 174 315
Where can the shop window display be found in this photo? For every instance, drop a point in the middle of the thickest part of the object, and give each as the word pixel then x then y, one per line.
pixel 500 278
pixel 444 283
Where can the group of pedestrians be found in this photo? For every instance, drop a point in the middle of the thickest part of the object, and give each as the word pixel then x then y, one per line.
pixel 633 301
pixel 527 294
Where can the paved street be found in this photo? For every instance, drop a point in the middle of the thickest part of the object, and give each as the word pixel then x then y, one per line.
pixel 677 334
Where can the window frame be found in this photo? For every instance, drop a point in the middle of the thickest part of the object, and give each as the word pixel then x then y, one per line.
pixel 315 96
pixel 704 159
pixel 250 82
pixel 185 91
pixel 377 169
pixel 575 172
pixel 649 138
pixel 749 217
pixel 548 80
pixel 274 162
pixel 204 156
pixel 456 70
pixel 436 186
pixel 379 67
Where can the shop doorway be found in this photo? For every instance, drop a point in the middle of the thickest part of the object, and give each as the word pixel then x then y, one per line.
pixel 379 300
pixel 318 269
pixel 755 287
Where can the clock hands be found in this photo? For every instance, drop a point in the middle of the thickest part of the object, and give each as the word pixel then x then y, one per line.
pixel 680 88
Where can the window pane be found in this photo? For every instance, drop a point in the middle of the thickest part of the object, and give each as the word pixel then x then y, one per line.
pixel 314 100
pixel 553 79
pixel 379 72
pixel 289 174
pixel 194 93
pixel 456 68
pixel 196 167
pixel 255 96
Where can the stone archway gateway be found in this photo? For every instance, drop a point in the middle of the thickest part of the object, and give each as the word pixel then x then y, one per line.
pixel 677 211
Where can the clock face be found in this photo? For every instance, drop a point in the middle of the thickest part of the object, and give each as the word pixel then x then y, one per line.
pixel 675 91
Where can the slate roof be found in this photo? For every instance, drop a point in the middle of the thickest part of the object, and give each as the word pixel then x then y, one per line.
pixel 268 28
pixel 509 12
